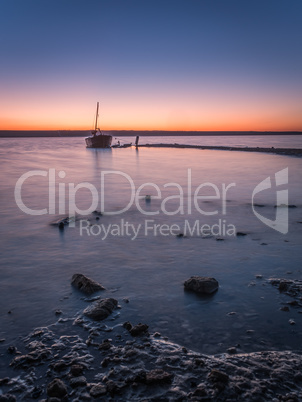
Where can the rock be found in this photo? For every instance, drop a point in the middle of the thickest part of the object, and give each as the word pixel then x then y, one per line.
pixel 76 370
pixel 232 350
pixel 127 325
pixel 158 376
pixel 85 284
pixel 36 392
pixel 198 362
pixel 101 309
pixel 200 391
pixel 60 365
pixel 98 213
pixel 292 322
pixel 12 350
pixel 218 376
pixel 105 362
pixel 7 398
pixel 98 390
pixel 4 381
pixel 78 381
pixel 284 308
pixel 201 284
pixel 35 357
pixel 114 386
pixel 138 329
pixel 105 345
pixel 180 235
pixel 56 388
pixel 283 286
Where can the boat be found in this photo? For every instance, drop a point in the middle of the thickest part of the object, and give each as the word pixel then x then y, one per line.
pixel 98 139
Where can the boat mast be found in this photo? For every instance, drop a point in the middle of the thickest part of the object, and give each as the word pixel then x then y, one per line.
pixel 96 116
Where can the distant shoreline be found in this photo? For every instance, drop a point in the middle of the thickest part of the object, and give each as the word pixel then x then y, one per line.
pixel 141 133
pixel 272 150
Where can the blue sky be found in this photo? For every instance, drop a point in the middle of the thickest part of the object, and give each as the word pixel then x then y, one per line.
pixel 216 64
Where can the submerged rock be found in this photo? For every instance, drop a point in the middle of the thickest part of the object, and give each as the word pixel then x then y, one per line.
pixel 101 309
pixel 201 284
pixel 85 284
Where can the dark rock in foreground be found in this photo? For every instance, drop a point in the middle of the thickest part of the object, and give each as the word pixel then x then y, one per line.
pixel 217 375
pixel 139 329
pixel 56 389
pixel 292 288
pixel 136 330
pixel 156 370
pixel 98 390
pixel 7 398
pixel 200 284
pixel 85 284
pixel 101 309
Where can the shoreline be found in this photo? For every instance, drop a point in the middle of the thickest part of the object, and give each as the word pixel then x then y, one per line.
pixel 279 151
pixel 80 358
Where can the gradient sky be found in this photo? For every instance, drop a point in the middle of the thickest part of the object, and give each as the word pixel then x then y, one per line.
pixel 162 65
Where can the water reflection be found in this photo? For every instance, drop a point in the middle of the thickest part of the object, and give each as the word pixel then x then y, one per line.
pixel 150 270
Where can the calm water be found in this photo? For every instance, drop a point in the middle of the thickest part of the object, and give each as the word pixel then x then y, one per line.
pixel 38 260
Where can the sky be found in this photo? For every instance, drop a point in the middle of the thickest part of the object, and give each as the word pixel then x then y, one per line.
pixel 153 65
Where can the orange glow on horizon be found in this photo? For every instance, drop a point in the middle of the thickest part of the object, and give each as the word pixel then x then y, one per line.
pixel 150 127
pixel 169 113
pixel 240 124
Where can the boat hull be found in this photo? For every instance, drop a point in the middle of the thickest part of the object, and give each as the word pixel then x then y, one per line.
pixel 99 141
